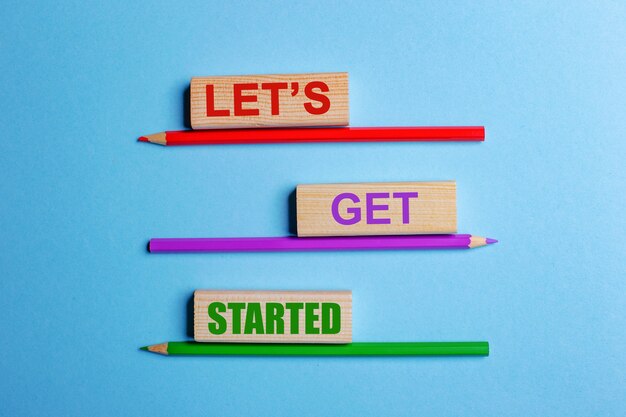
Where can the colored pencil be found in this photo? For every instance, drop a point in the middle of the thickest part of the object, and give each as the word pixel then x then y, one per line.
pixel 292 243
pixel 352 349
pixel 309 135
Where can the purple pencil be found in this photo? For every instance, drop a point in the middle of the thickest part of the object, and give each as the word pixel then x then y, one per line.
pixel 292 243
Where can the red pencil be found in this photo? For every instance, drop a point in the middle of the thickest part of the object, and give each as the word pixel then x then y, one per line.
pixel 308 135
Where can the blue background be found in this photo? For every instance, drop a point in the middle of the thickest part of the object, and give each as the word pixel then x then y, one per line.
pixel 79 199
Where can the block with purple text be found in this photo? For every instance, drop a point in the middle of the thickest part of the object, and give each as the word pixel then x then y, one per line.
pixel 398 208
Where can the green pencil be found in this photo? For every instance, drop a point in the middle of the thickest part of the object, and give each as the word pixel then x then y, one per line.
pixel 352 349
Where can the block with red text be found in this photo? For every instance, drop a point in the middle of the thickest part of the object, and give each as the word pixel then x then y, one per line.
pixel 398 208
pixel 250 101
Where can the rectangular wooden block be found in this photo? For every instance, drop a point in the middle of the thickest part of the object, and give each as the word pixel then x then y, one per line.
pixel 249 101
pixel 273 316
pixel 398 208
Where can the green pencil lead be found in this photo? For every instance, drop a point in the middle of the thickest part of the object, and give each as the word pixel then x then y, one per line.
pixel 144 348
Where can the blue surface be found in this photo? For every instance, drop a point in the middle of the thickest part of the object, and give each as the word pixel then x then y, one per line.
pixel 80 198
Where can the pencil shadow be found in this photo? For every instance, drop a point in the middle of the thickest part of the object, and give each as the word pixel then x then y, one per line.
pixel 187 107
pixel 291 213
pixel 190 317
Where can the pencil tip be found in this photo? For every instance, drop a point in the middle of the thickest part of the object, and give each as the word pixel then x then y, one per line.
pixel 144 348
pixel 490 241
pixel 160 348
pixel 160 138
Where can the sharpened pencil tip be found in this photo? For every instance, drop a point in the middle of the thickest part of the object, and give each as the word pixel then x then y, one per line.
pixel 490 241
pixel 160 138
pixel 144 348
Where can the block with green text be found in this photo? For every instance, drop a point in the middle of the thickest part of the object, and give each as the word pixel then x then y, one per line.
pixel 273 316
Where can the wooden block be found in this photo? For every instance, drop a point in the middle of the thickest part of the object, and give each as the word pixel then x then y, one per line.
pixel 399 208
pixel 273 316
pixel 249 101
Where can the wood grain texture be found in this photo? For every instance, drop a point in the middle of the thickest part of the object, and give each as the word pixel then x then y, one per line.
pixel 433 211
pixel 203 299
pixel 291 101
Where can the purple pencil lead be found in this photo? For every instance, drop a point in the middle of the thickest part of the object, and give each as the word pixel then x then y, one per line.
pixel 490 241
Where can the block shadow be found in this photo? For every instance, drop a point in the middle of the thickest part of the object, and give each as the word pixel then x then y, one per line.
pixel 291 213
pixel 190 317
pixel 187 107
